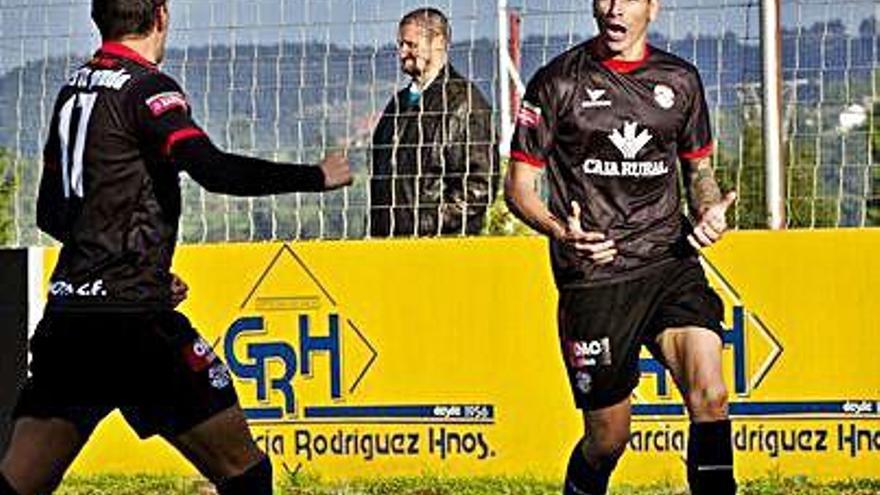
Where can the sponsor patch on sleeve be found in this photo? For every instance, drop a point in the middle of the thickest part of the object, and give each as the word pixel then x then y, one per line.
pixel 199 355
pixel 529 115
pixel 164 102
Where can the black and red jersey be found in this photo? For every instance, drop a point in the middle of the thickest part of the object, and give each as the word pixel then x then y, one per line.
pixel 121 132
pixel 609 134
pixel 109 191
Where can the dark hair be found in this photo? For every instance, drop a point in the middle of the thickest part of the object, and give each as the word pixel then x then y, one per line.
pixel 431 19
pixel 119 18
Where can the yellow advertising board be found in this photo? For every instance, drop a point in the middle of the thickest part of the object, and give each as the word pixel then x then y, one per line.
pixel 401 357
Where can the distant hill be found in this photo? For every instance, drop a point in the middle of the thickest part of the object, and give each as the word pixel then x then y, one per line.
pixel 289 101
pixel 291 96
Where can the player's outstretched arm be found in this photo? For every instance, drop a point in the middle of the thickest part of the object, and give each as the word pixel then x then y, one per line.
pixel 238 175
pixel 165 124
pixel 523 200
pixel 706 202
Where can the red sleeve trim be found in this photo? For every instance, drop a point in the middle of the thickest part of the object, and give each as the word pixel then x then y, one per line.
pixel 527 158
pixel 698 153
pixel 180 135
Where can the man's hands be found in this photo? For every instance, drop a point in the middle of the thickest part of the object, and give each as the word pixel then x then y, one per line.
pixel 590 245
pixel 179 290
pixel 712 222
pixel 337 171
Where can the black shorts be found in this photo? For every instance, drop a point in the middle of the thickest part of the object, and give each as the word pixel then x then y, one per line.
pixel 154 367
pixel 602 329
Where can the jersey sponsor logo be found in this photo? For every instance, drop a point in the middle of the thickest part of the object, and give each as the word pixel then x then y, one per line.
pixel 582 354
pixel 63 288
pixel 595 99
pixel 164 102
pixel 629 143
pixel 610 168
pixel 583 381
pixel 88 78
pixel 199 355
pixel 219 377
pixel 529 115
pixel 664 96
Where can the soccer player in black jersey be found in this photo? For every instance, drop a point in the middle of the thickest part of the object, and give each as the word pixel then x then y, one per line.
pixel 120 134
pixel 609 121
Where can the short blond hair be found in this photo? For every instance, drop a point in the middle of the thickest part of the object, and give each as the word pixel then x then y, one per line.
pixel 430 19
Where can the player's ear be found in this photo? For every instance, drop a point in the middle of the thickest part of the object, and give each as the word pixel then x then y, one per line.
pixel 653 9
pixel 162 17
pixel 597 10
pixel 439 45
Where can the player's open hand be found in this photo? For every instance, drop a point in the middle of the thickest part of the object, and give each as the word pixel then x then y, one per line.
pixel 712 223
pixel 337 171
pixel 590 245
pixel 179 290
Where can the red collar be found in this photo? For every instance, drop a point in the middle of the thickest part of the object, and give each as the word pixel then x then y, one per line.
pixel 626 66
pixel 119 50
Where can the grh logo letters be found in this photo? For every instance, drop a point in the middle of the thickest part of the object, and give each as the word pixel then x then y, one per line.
pixel 254 365
pixel 285 345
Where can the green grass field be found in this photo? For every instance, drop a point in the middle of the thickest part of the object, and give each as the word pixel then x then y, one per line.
pixel 428 485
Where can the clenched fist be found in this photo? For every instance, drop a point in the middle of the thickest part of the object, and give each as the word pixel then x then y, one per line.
pixel 337 171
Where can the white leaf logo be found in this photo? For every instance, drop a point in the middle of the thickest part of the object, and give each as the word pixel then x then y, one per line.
pixel 629 143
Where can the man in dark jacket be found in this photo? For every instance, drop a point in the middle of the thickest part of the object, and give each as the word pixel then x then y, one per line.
pixel 435 164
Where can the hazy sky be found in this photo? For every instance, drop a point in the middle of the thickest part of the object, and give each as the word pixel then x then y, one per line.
pixel 31 29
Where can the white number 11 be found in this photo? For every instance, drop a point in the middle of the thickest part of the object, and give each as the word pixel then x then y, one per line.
pixel 73 124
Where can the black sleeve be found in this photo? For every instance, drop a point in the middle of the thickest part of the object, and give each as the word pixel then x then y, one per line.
pixel 238 175
pixel 166 125
pixel 533 135
pixel 162 113
pixel 695 137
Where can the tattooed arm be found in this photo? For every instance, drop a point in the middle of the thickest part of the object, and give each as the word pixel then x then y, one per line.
pixel 702 188
pixel 706 203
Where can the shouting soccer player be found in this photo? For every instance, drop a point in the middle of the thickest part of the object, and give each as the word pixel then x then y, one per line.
pixel 120 134
pixel 609 120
